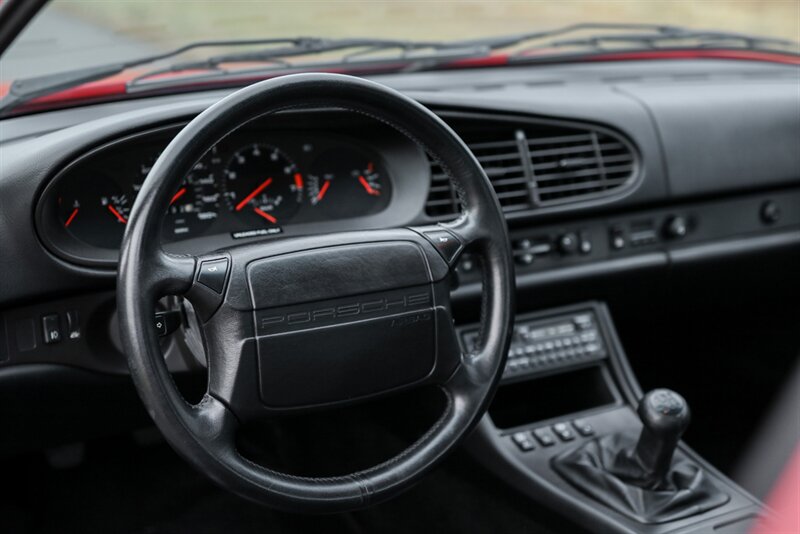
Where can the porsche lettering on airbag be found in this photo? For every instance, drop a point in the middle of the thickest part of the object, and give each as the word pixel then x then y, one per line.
pixel 317 314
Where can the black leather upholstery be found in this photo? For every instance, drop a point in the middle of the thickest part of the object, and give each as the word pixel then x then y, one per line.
pixel 205 433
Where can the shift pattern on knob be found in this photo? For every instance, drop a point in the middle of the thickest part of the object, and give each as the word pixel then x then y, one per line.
pixel 666 402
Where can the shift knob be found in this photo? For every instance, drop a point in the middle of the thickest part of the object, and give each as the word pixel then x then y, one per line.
pixel 665 416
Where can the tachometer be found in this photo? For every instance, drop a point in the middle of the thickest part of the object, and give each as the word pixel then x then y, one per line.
pixel 262 185
pixel 347 182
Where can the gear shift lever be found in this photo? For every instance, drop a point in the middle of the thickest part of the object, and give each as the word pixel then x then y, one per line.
pixel 665 416
pixel 638 477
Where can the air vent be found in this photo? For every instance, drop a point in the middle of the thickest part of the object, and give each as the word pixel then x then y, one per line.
pixel 498 151
pixel 577 165
pixel 537 165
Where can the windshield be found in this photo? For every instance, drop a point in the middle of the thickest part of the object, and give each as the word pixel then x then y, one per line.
pixel 68 35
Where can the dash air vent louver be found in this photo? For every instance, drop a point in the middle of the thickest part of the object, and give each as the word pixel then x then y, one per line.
pixel 535 165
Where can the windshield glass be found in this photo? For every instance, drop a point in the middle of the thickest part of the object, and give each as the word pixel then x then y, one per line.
pixel 72 34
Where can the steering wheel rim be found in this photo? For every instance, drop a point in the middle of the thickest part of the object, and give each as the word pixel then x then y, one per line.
pixel 204 433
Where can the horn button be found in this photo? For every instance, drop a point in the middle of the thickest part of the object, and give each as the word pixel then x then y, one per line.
pixel 343 322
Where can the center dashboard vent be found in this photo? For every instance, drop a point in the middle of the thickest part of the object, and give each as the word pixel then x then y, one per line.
pixel 538 164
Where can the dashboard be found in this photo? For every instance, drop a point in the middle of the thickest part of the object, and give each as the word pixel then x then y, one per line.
pixel 621 182
pixel 265 179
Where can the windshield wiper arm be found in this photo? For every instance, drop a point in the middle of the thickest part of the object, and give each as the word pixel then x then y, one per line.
pixel 650 34
pixel 703 37
pixel 361 46
pixel 26 89
pixel 312 46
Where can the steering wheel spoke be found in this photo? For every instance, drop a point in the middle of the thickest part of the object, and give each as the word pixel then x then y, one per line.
pixel 172 274
pixel 468 230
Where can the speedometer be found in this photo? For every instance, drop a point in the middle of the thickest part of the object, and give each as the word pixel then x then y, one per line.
pixel 262 185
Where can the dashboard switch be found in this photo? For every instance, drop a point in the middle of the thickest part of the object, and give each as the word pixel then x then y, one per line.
pixel 51 328
pixel 770 212
pixel 213 273
pixel 445 242
pixel 73 325
pixel 617 238
pixel 586 245
pixel 568 243
pixel 676 227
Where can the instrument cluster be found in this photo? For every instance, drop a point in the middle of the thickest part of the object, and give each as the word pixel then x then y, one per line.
pixel 251 184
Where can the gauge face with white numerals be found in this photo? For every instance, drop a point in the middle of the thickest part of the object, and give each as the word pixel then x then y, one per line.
pixel 96 212
pixel 347 182
pixel 262 186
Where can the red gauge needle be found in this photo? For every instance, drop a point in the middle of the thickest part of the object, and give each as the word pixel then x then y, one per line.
pixel 117 214
pixel 372 191
pixel 71 216
pixel 252 195
pixel 323 190
pixel 266 215
pixel 298 180
pixel 179 194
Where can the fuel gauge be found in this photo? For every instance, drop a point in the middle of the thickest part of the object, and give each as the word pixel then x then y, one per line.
pixel 348 182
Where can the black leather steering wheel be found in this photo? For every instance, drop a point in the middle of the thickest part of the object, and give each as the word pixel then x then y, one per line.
pixel 281 337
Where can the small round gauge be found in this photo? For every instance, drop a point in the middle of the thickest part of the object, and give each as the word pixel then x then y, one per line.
pixel 347 182
pixel 195 205
pixel 96 212
pixel 262 185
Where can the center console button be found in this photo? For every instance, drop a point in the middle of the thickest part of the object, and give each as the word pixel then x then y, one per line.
pixel 523 441
pixel 563 431
pixel 544 437
pixel 583 427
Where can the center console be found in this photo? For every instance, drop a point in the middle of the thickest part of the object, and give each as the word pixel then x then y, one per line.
pixel 571 428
